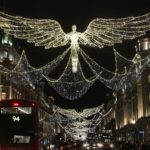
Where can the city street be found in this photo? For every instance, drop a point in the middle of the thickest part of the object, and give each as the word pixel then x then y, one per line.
pixel 75 75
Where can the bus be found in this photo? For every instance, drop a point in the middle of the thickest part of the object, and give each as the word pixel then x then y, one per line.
pixel 19 125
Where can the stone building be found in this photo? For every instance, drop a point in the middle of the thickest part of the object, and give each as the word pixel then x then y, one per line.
pixel 132 110
pixel 19 87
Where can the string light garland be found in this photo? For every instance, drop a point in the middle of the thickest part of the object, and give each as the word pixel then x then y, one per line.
pixel 79 124
pixel 71 113
pixel 100 32
pixel 73 83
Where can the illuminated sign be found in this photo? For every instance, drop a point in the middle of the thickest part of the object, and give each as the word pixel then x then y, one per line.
pixel 15 118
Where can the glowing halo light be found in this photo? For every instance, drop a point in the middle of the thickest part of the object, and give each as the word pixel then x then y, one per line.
pixel 100 32
pixel 133 121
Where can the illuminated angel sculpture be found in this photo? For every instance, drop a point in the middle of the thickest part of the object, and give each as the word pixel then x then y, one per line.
pixel 100 32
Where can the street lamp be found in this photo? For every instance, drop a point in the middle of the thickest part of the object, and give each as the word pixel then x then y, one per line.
pixel 133 121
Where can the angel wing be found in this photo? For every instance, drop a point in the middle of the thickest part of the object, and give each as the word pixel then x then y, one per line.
pixel 102 32
pixel 42 32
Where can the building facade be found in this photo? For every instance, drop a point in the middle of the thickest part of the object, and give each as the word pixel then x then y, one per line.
pixel 19 87
pixel 132 110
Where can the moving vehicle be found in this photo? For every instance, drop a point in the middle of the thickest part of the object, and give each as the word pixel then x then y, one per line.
pixel 19 125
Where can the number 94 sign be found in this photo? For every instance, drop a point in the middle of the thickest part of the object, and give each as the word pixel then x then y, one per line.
pixel 15 118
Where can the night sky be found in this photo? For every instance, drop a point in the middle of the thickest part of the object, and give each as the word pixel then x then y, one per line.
pixel 79 12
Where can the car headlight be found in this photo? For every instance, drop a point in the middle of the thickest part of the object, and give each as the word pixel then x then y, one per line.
pixel 99 145
pixel 111 145
pixel 86 145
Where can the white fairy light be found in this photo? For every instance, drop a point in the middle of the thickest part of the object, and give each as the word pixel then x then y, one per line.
pixel 86 112
pixel 78 124
pixel 100 32
pixel 72 83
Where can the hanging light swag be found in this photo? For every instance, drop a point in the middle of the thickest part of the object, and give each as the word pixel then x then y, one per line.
pixel 99 33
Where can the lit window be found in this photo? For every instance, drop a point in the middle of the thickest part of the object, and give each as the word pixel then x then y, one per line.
pixel 1 58
pixel 7 40
pixel 149 98
pixel 146 45
pixel 3 96
pixel 148 78
pixel 11 57
pixel 5 54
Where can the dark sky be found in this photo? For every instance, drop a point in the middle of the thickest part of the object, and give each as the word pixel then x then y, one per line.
pixel 79 12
